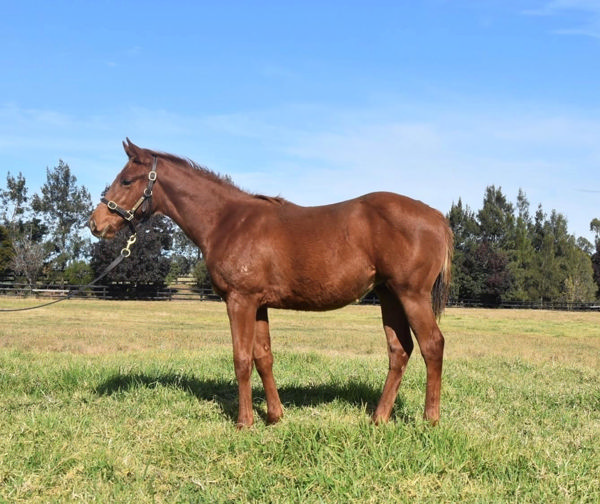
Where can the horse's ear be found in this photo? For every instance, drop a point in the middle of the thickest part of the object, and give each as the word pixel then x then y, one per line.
pixel 131 149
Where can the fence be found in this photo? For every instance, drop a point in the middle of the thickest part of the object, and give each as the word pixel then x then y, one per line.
pixel 526 305
pixel 112 291
pixel 186 291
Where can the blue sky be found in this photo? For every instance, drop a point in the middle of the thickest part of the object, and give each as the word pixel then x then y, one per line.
pixel 316 101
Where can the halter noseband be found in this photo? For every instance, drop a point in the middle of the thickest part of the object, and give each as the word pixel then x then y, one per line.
pixel 145 198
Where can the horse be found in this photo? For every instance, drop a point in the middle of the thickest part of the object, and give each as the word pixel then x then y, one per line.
pixel 265 252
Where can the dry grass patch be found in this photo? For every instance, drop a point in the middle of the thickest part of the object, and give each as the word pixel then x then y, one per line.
pixel 99 327
pixel 533 335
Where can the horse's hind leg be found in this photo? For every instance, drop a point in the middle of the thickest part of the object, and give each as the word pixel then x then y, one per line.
pixel 399 345
pixel 263 360
pixel 421 318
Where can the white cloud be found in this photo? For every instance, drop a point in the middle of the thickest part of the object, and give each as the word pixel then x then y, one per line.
pixel 587 13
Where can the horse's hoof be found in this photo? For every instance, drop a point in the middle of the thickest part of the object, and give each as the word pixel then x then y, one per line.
pixel 273 419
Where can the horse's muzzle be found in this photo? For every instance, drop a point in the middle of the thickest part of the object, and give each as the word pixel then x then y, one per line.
pixel 94 229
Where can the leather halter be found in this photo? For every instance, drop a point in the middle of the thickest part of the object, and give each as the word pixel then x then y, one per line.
pixel 145 199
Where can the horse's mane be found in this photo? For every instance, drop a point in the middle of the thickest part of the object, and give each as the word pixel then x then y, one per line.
pixel 224 180
pixel 276 200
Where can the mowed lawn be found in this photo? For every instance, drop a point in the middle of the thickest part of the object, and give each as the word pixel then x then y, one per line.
pixel 136 402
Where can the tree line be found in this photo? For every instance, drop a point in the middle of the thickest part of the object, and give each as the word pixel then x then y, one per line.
pixel 503 251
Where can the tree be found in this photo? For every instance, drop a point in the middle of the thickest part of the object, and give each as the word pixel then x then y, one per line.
pixel 78 273
pixel 28 259
pixel 547 282
pixel 184 255
pixel 496 218
pixel 595 227
pixel 497 233
pixel 562 269
pixel 575 272
pixel 14 201
pixel 7 252
pixel 585 245
pixel 21 249
pixel 147 266
pixel 465 283
pixel 578 285
pixel 201 275
pixel 65 208
pixel 523 207
pixel 521 257
pixel 502 253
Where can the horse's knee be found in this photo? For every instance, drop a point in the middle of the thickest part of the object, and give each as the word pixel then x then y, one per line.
pixel 243 368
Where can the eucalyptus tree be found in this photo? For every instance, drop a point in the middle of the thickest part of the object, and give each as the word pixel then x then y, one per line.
pixel 64 207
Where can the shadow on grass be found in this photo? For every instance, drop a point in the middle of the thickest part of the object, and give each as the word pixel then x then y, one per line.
pixel 224 393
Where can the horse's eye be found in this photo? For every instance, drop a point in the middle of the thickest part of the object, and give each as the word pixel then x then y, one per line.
pixel 125 182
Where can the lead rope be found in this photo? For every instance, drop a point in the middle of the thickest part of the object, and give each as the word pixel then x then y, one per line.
pixel 125 253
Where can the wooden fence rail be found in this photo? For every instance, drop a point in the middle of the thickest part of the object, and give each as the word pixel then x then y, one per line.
pixel 114 291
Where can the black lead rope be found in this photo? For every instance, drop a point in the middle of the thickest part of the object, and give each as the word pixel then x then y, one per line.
pixel 70 294
pixel 125 253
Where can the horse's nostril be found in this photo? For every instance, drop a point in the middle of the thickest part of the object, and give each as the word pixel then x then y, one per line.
pixel 94 228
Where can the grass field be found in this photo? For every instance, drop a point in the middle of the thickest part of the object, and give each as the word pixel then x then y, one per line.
pixel 136 402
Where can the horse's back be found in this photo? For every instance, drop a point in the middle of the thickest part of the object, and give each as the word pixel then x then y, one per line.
pixel 369 220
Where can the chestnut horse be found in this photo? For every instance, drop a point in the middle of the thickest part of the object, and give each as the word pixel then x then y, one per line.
pixel 264 252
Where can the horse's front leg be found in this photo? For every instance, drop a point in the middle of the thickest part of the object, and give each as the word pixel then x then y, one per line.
pixel 242 318
pixel 263 359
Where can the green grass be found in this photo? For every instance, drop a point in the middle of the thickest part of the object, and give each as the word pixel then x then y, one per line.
pixel 136 402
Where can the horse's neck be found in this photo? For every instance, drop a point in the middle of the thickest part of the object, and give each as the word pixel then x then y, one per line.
pixel 196 203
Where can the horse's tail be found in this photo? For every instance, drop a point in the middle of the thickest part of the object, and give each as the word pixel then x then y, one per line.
pixel 441 287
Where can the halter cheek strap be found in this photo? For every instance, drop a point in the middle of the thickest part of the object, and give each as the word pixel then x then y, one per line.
pixel 145 199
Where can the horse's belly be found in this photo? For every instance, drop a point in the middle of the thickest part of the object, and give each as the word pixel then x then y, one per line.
pixel 320 294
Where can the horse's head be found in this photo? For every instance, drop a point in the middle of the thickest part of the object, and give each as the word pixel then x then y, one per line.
pixel 129 196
